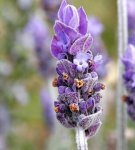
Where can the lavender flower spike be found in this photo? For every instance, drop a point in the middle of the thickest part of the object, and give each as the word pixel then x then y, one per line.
pixel 129 80
pixel 37 30
pixel 77 105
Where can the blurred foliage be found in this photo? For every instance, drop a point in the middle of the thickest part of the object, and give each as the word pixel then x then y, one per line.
pixel 106 11
pixel 28 131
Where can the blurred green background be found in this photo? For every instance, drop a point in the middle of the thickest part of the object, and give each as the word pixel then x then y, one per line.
pixel 28 131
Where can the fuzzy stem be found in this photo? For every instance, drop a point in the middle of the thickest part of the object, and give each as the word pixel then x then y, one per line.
pixel 81 139
pixel 122 45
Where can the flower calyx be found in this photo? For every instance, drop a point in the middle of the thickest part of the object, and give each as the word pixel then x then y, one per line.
pixel 54 82
pixel 79 83
pixel 74 107
pixel 56 109
pixel 65 76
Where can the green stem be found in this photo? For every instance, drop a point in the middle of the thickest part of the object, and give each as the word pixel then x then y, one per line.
pixel 122 45
pixel 81 139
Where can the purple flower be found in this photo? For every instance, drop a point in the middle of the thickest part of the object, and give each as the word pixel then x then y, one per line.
pixel 94 26
pixel 68 14
pixel 71 24
pixel 129 64
pixel 131 8
pixel 129 57
pixel 38 31
pixel 37 28
pixel 92 130
pixel 98 59
pixel 81 61
pixel 131 14
pixel 77 81
pixel 131 39
pixel 133 81
pixel 131 112
pixel 131 20
pixel 72 17
pixel 129 79
pixel 63 39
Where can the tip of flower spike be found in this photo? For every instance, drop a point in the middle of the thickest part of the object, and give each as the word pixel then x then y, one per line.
pixel 61 40
pixel 83 25
pixel 60 11
pixel 74 107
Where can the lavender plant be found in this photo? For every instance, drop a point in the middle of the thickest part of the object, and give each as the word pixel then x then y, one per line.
pixel 78 104
pixel 129 79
